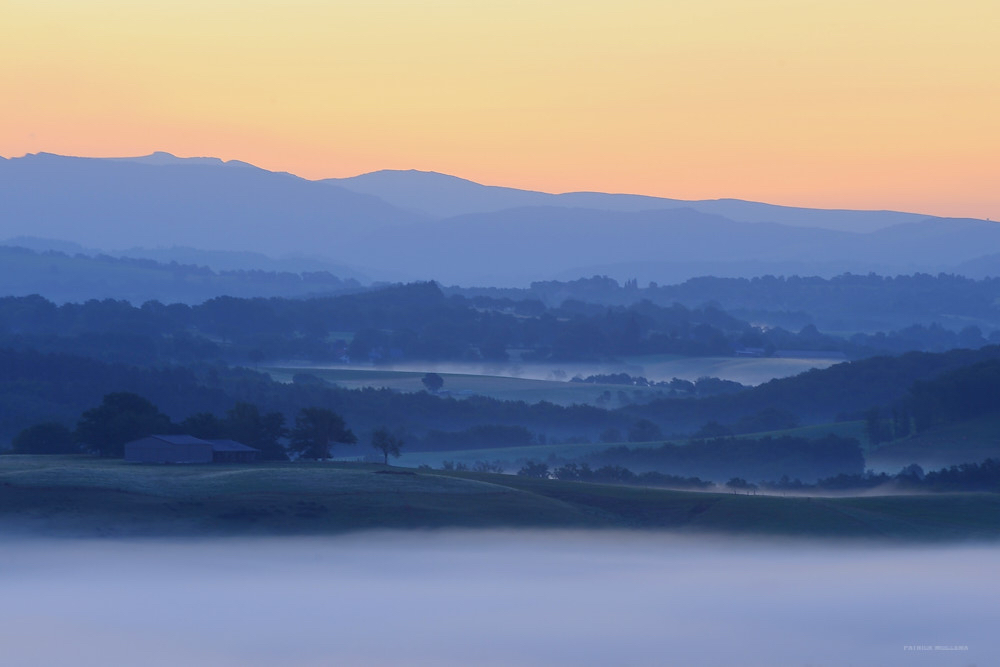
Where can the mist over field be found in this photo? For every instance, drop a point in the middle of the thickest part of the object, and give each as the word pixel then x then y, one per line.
pixel 495 598
pixel 749 371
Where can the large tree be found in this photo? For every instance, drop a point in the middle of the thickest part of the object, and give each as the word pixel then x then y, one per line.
pixel 121 417
pixel 315 431
pixel 245 423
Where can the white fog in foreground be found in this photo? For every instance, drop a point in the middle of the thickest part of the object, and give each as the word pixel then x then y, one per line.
pixel 495 598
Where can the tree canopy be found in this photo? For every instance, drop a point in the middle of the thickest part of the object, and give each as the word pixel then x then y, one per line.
pixel 433 382
pixel 121 417
pixel 386 443
pixel 315 432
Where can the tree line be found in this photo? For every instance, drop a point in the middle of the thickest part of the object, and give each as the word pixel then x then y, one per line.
pixel 418 321
pixel 845 302
pixel 967 477
pixel 122 417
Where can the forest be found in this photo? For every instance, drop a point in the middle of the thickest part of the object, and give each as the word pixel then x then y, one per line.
pixel 419 321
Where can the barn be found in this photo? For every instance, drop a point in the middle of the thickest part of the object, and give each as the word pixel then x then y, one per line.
pixel 187 449
pixel 230 451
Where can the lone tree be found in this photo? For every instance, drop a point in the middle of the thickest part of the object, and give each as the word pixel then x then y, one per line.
pixel 433 382
pixel 121 417
pixel 315 431
pixel 386 443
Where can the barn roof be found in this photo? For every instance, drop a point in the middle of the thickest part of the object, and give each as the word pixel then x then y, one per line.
pixel 217 445
pixel 180 439
pixel 230 446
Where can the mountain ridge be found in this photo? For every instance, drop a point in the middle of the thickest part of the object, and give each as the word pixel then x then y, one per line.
pixel 162 201
pixel 443 195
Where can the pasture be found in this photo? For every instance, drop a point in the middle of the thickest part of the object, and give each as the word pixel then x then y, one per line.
pixel 93 497
pixel 512 456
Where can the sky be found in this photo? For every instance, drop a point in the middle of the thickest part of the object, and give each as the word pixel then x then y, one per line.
pixel 880 104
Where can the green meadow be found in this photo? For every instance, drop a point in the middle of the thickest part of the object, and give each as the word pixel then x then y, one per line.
pixel 511 455
pixel 83 496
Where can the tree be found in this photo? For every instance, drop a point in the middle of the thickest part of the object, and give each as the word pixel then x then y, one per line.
pixel 244 423
pixel 121 417
pixel 386 443
pixel 433 382
pixel 713 429
pixel 315 431
pixel 535 469
pixel 874 427
pixel 204 425
pixel 45 438
pixel 611 435
pixel 644 431
pixel 740 484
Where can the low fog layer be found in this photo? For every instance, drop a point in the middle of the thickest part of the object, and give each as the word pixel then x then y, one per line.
pixel 745 370
pixel 495 598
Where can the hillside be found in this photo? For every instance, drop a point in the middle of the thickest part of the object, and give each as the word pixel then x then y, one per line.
pixel 63 277
pixel 951 444
pixel 822 395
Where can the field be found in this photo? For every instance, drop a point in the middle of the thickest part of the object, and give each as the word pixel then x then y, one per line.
pixel 513 455
pixel 966 442
pixel 460 385
pixel 533 382
pixel 93 497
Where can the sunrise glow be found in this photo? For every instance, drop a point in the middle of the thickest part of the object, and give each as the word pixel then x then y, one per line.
pixel 848 104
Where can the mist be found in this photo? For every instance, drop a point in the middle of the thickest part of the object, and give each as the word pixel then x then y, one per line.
pixel 745 370
pixel 496 598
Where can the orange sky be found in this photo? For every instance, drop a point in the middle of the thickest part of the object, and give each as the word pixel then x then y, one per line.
pixel 840 104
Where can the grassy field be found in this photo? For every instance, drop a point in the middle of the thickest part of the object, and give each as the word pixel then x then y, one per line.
pixel 512 455
pixel 461 385
pixel 965 442
pixel 532 382
pixel 92 497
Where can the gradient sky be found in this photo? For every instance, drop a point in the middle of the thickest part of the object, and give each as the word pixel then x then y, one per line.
pixel 840 103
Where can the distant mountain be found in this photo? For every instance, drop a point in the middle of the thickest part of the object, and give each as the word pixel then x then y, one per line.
pixel 217 260
pixel 397 225
pixel 225 260
pixel 158 201
pixel 981 267
pixel 163 158
pixel 516 246
pixel 78 277
pixel 441 196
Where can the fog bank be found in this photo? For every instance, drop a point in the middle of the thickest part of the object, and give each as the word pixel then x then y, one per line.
pixel 495 598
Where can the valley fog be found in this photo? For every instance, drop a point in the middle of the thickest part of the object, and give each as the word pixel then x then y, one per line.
pixel 496 598
pixel 745 370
